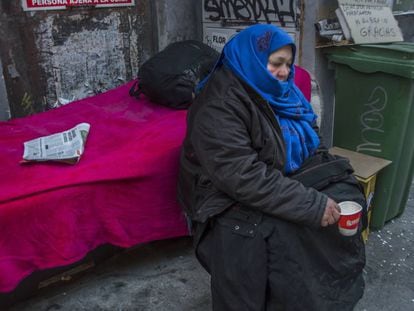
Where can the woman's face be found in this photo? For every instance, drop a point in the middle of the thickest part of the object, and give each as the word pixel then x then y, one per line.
pixel 279 63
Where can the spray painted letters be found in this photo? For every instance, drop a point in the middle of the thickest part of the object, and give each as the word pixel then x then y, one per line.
pixel 250 11
pixel 372 120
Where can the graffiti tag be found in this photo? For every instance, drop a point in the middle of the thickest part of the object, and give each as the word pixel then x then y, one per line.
pixel 372 120
pixel 250 11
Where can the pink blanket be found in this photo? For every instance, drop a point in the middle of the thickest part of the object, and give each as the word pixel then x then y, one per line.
pixel 121 192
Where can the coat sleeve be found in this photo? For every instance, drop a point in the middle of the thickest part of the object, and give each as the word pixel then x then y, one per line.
pixel 222 143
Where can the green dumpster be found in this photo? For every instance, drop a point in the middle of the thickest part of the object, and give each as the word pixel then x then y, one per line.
pixel 374 114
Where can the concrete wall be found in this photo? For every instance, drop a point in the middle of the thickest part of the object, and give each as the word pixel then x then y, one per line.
pixel 176 20
pixel 4 102
pixel 53 56
pixel 406 22
pixel 325 75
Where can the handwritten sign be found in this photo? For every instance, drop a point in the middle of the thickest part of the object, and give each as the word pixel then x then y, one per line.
pixel 34 5
pixel 370 21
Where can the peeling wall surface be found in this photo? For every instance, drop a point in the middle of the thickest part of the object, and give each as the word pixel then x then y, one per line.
pixel 54 56
pixel 83 56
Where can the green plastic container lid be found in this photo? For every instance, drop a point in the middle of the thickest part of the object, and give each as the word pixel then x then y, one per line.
pixel 393 58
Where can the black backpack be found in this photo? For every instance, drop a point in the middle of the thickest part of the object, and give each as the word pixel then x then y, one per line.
pixel 170 76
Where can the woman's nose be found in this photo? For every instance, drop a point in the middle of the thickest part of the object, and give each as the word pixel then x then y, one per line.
pixel 284 72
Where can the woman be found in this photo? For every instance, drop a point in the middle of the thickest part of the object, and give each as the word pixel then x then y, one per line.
pixel 259 189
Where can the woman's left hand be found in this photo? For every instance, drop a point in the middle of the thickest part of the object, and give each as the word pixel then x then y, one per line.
pixel 331 214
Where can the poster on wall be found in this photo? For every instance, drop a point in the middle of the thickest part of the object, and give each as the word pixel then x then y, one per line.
pixel 35 5
pixel 222 19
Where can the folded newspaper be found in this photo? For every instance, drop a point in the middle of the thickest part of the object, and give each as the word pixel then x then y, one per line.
pixel 66 146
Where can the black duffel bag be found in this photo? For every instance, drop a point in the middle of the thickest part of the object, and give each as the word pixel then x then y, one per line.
pixel 170 76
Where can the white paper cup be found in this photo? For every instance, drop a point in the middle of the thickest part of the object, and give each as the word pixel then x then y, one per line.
pixel 349 220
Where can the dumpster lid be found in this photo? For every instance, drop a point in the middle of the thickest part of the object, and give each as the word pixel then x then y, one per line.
pixel 394 58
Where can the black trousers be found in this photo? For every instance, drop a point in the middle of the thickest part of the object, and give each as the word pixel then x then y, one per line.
pixel 258 263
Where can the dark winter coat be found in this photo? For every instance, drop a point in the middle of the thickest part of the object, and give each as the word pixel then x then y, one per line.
pixel 234 153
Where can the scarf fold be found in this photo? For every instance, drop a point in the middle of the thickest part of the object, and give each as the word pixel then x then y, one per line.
pixel 247 55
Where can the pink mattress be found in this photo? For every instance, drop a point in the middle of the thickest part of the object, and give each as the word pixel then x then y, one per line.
pixel 121 192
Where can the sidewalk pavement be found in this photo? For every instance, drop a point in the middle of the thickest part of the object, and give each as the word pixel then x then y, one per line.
pixel 165 276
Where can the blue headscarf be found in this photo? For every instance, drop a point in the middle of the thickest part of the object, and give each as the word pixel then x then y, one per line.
pixel 247 55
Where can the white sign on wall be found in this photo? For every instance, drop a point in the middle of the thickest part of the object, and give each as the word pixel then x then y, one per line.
pixel 36 5
pixel 217 38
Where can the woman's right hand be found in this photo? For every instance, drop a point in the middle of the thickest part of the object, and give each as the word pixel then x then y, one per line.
pixel 331 213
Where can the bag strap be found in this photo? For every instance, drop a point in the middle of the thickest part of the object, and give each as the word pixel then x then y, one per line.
pixel 135 90
pixel 321 173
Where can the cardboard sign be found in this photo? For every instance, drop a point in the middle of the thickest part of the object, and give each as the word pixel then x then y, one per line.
pixel 34 5
pixel 369 21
